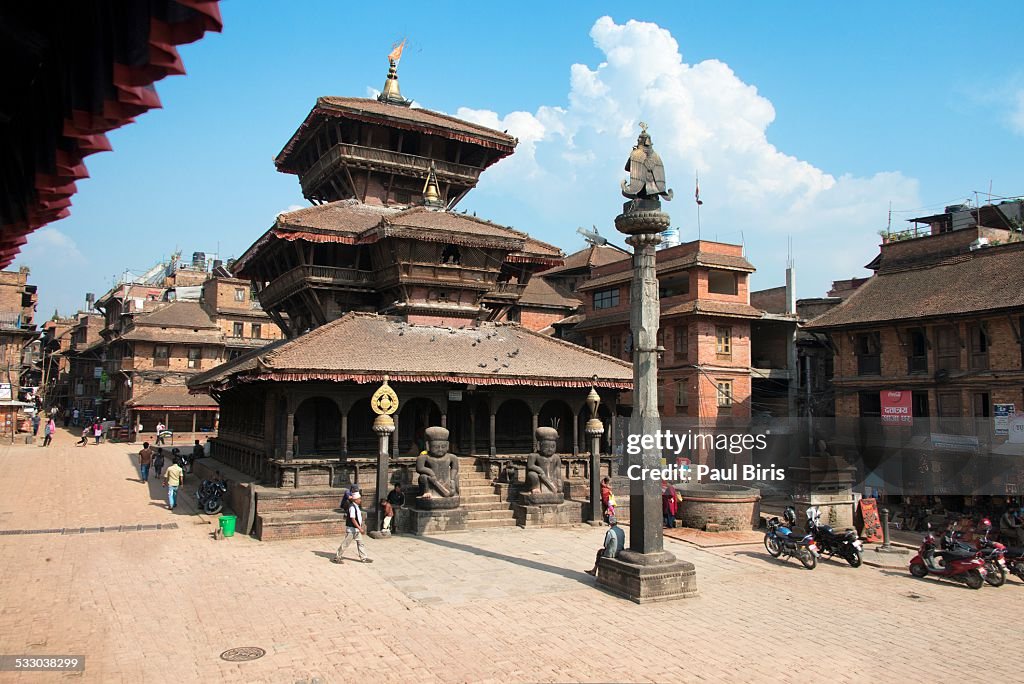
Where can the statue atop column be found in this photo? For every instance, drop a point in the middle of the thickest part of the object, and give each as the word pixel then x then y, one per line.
pixel 544 470
pixel 646 171
pixel 438 472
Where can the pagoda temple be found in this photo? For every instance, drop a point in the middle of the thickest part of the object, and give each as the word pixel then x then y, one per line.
pixel 382 277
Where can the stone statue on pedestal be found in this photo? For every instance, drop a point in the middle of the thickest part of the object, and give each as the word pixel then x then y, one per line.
pixel 544 470
pixel 438 472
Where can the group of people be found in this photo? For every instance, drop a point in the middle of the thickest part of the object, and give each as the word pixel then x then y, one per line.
pixel 355 527
pixel 48 429
pixel 1011 527
pixel 94 430
pixel 174 477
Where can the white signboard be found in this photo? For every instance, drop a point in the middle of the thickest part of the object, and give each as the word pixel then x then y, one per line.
pixel 454 395
pixel 5 391
pixel 1017 429
pixel 1002 413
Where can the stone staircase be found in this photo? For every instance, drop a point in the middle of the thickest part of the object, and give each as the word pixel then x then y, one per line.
pixel 297 513
pixel 481 499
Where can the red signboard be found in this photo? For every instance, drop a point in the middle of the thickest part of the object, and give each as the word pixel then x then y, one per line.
pixel 896 408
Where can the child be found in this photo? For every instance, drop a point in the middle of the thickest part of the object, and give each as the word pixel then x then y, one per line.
pixel 389 514
pixel 85 436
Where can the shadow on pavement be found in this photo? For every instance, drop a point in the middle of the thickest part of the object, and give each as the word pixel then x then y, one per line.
pixel 577 575
pixel 790 563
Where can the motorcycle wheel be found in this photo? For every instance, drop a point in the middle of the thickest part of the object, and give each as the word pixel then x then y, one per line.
pixel 808 559
pixel 918 570
pixel 995 574
pixel 771 544
pixel 212 506
pixel 853 558
pixel 974 579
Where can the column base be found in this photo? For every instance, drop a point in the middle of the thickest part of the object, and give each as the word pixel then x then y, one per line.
pixel 647 578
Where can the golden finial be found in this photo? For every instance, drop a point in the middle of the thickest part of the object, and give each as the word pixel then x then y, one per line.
pixel 431 193
pixel 391 93
pixel 384 401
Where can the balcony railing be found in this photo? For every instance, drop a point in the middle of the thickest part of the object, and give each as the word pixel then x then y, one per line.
pixel 294 280
pixel 357 155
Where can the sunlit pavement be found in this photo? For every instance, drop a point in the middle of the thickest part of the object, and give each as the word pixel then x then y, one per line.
pixel 162 603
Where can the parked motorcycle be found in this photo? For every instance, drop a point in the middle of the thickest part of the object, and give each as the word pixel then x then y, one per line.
pixel 210 495
pixel 992 552
pixel 1014 560
pixel 958 564
pixel 830 543
pixel 780 540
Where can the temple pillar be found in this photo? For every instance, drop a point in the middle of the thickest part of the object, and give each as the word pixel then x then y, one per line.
pixel 289 434
pixel 493 441
pixel 534 422
pixel 344 434
pixel 472 433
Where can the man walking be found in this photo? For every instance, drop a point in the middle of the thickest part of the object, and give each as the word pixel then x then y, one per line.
pixel 172 480
pixel 158 461
pixel 74 417
pixel 614 540
pixel 145 459
pixel 35 424
pixel 354 530
pixel 160 433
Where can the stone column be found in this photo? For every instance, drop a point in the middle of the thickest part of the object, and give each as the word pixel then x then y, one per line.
pixel 472 433
pixel 493 442
pixel 575 434
pixel 384 426
pixel 594 430
pixel 344 434
pixel 534 425
pixel 645 518
pixel 394 438
pixel 645 571
pixel 289 435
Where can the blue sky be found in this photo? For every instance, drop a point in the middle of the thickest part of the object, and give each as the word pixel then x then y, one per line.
pixel 805 120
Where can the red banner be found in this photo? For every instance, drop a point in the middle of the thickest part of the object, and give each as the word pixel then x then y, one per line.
pixel 897 408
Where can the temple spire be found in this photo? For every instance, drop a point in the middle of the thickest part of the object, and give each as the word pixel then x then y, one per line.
pixel 431 192
pixel 391 93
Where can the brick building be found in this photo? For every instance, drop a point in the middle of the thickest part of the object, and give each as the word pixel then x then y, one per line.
pixel 705 327
pixel 934 334
pixel 17 331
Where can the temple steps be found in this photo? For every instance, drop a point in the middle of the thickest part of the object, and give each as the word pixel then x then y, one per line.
pixel 482 524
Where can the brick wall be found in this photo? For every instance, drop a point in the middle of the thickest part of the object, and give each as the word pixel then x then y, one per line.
pixel 538 320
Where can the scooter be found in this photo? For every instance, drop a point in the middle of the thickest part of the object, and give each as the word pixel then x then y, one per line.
pixel 830 543
pixel 210 495
pixel 958 565
pixel 991 552
pixel 779 540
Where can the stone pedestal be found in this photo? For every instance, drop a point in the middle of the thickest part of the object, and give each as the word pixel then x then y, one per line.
pixel 435 521
pixel 666 580
pixel 549 515
pixel 542 498
pixel 841 502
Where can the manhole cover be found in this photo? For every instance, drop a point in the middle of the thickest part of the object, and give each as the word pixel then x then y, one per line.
pixel 243 653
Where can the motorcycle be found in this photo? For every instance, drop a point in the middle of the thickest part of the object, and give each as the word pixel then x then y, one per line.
pixel 210 495
pixel 991 552
pixel 780 540
pixel 959 565
pixel 1014 560
pixel 830 543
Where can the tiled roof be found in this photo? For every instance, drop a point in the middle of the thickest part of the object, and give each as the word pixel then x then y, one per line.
pixel 345 216
pixel 539 292
pixel 181 335
pixel 984 280
pixel 171 395
pixel 470 228
pixel 712 307
pixel 178 314
pixel 399 117
pixel 708 259
pixel 587 258
pixel 363 347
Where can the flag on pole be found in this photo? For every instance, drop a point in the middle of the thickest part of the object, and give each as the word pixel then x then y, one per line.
pixel 696 192
pixel 396 52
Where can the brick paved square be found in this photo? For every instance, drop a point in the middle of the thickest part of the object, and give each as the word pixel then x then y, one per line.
pixel 506 605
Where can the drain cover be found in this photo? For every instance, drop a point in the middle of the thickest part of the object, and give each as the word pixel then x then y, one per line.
pixel 243 653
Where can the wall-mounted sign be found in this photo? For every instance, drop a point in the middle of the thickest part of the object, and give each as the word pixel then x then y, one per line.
pixel 454 395
pixel 5 390
pixel 1002 413
pixel 1016 429
pixel 896 408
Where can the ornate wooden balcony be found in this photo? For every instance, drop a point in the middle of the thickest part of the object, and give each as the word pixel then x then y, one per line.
pixel 300 277
pixel 357 156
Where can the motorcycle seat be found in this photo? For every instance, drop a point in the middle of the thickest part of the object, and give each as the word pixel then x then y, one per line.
pixel 795 536
pixel 956 554
pixel 1015 552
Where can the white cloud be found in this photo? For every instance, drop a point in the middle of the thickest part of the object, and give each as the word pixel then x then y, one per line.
pixel 1017 115
pixel 702 118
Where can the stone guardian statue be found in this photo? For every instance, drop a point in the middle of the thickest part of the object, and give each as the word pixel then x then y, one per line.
pixel 544 470
pixel 438 472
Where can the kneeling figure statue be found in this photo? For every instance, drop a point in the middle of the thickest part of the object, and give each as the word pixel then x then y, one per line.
pixel 438 472
pixel 544 470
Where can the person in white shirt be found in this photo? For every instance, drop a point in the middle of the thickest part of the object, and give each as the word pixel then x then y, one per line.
pixel 355 528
